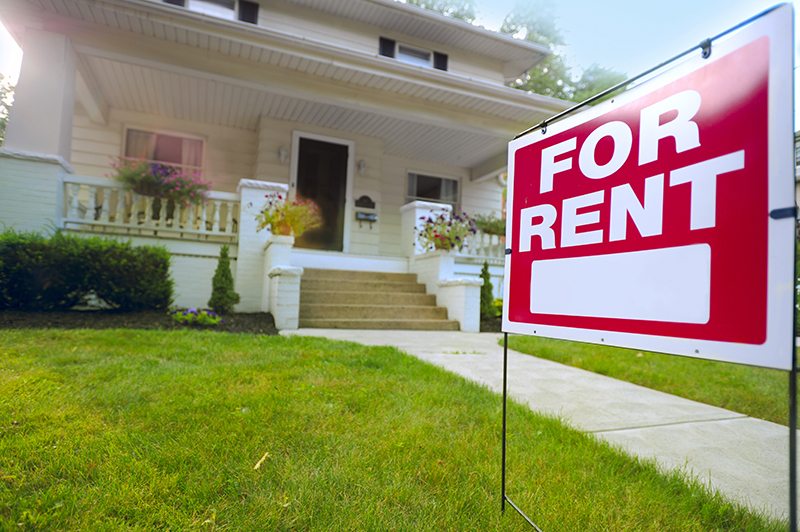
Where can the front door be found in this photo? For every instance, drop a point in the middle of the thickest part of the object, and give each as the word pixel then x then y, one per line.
pixel 322 177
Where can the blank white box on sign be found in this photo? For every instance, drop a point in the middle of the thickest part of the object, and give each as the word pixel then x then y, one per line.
pixel 670 285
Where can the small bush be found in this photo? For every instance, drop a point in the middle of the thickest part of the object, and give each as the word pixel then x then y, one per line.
pixel 223 297
pixel 488 310
pixel 40 273
pixel 196 317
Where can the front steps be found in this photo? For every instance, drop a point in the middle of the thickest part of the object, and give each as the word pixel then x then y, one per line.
pixel 336 299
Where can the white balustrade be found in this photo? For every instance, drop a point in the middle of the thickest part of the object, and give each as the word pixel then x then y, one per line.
pixel 484 245
pixel 103 205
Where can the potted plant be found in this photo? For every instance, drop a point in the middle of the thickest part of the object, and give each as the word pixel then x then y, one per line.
pixel 445 231
pixel 160 180
pixel 290 218
pixel 491 224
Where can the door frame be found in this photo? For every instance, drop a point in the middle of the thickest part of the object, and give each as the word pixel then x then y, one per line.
pixel 351 154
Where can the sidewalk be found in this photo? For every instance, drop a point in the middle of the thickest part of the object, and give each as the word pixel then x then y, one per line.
pixel 746 459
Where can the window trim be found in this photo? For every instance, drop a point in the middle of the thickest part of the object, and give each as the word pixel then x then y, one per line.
pixel 408 198
pixel 201 170
pixel 237 9
pixel 391 48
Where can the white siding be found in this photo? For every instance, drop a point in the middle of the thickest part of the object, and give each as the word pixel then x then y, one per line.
pixel 229 153
pixel 364 38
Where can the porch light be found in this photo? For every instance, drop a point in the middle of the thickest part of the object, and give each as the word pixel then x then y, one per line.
pixel 362 165
pixel 282 153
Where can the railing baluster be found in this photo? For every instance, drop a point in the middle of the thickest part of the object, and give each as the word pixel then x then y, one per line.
pixel 229 217
pixel 215 227
pixel 90 209
pixel 104 212
pixel 73 204
pixel 202 208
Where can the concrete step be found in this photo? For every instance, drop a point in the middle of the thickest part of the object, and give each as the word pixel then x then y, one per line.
pixel 318 274
pixel 353 285
pixel 404 325
pixel 362 312
pixel 332 297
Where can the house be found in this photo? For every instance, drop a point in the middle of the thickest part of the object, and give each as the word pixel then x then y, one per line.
pixel 381 112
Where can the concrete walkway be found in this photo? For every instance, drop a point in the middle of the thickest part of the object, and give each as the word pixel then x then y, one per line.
pixel 746 459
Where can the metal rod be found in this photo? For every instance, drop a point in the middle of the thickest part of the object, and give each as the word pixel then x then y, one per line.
pixel 505 397
pixel 793 412
pixel 705 45
pixel 793 448
pixel 520 512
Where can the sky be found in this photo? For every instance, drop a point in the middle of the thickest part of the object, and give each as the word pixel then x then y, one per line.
pixel 629 36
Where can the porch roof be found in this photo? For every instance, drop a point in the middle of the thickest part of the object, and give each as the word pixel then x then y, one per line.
pixel 154 58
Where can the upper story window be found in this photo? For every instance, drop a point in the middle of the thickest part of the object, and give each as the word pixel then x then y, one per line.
pixel 242 10
pixel 412 55
pixel 183 152
pixel 431 188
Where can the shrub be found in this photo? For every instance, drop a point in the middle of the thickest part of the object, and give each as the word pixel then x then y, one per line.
pixel 488 310
pixel 223 297
pixel 40 273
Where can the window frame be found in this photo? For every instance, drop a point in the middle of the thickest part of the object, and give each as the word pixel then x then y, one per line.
pixel 391 48
pixel 201 170
pixel 409 198
pixel 237 9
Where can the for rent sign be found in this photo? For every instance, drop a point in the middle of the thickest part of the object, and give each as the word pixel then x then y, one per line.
pixel 645 221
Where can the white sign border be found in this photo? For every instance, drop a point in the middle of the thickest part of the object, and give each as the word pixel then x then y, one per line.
pixel 777 351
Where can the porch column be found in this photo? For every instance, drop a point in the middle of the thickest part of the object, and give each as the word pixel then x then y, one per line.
pixel 38 139
pixel 410 215
pixel 40 121
pixel 250 258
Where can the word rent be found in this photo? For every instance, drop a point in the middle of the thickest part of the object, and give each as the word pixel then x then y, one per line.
pixel 648 215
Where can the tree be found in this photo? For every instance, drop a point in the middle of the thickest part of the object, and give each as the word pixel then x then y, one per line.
pixel 488 310
pixel 223 297
pixel 595 80
pixel 460 9
pixel 6 99
pixel 536 21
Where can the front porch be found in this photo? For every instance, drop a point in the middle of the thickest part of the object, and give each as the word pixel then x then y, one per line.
pixel 268 280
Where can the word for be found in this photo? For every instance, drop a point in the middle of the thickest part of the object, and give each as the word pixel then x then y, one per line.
pixel 538 221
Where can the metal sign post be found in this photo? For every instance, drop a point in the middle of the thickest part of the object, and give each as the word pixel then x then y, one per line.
pixel 661 219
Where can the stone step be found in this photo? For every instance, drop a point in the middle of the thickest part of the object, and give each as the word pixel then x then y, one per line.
pixel 357 285
pixel 378 312
pixel 365 298
pixel 403 325
pixel 318 274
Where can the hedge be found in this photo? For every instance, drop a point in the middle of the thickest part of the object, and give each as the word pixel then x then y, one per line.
pixel 56 273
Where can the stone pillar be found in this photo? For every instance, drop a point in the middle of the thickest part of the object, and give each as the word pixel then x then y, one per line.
pixel 281 294
pixel 40 121
pixel 250 258
pixel 460 296
pixel 410 215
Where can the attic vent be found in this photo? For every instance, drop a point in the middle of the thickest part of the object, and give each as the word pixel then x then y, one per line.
pixel 248 11
pixel 439 61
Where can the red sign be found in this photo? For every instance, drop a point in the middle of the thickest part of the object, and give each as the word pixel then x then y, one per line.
pixel 647 216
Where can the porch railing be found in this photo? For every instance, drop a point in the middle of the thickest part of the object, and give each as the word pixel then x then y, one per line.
pixel 484 245
pixel 103 205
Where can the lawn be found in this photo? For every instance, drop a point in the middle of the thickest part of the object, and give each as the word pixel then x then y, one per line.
pixel 757 392
pixel 186 430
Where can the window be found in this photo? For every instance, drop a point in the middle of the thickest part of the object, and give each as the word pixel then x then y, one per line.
pixel 226 9
pixel 430 188
pixel 183 152
pixel 412 55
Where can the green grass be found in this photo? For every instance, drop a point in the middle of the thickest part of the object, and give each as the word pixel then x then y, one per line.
pixel 757 392
pixel 151 430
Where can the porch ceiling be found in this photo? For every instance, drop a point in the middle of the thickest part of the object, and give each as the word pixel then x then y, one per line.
pixel 183 96
pixel 159 59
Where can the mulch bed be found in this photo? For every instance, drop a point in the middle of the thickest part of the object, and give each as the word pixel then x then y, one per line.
pixel 248 323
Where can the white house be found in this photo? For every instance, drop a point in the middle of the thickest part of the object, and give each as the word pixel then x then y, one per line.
pixel 379 111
